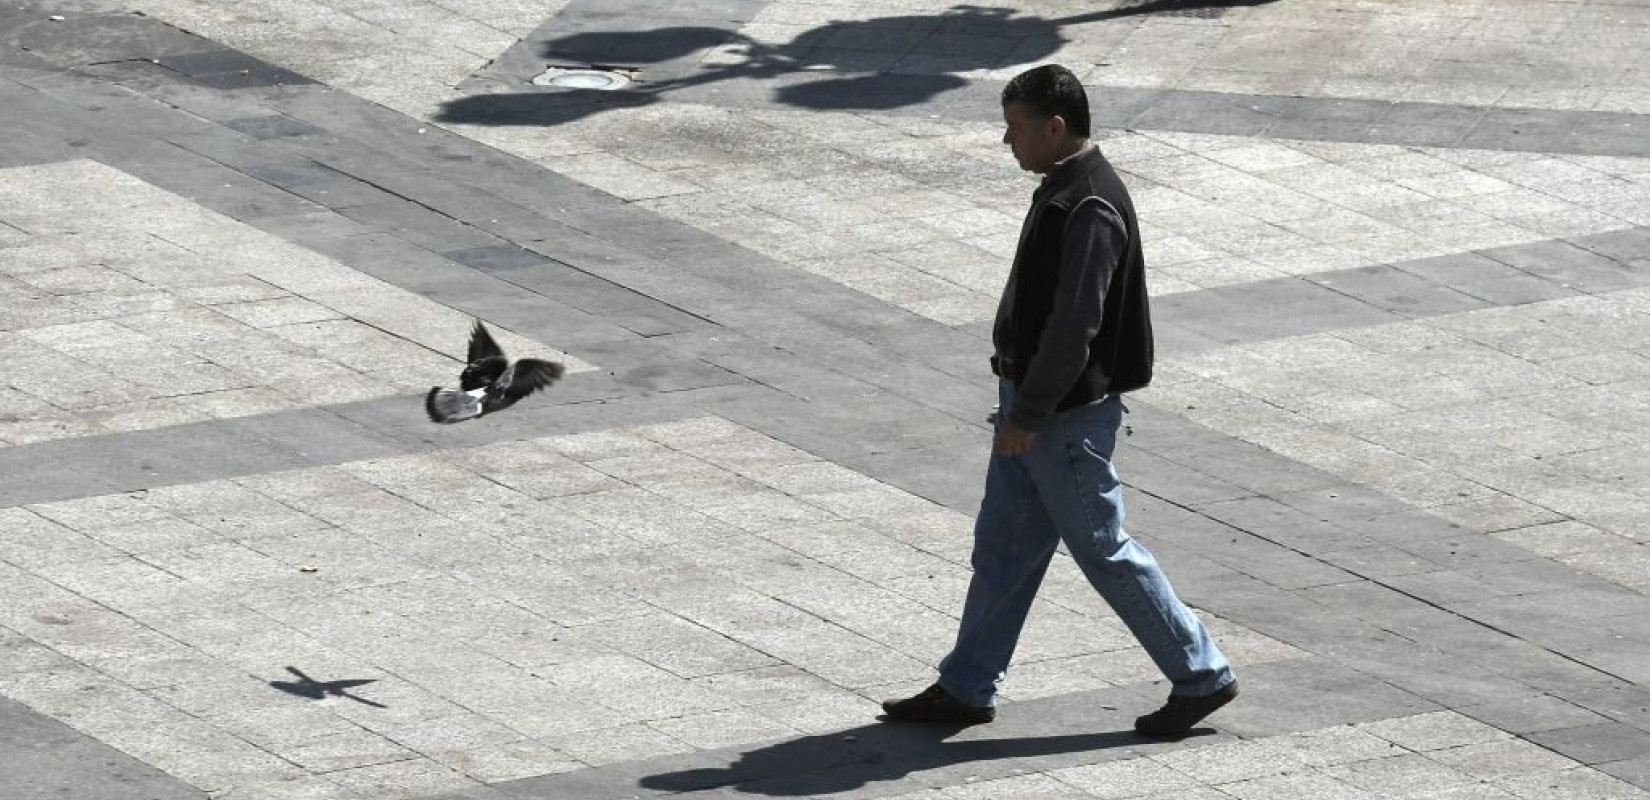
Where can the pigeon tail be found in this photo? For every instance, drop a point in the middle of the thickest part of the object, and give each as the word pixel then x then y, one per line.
pixel 453 405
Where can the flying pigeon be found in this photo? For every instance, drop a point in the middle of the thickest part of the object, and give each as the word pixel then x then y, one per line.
pixel 490 382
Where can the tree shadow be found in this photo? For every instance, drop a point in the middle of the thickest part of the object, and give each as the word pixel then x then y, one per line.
pixel 848 760
pixel 874 64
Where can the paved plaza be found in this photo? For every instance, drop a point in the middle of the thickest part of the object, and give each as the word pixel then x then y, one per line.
pixel 1396 454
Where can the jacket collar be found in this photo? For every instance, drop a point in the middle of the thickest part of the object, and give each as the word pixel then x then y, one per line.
pixel 1069 168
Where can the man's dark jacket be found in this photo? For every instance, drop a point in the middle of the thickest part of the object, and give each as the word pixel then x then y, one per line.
pixel 1119 353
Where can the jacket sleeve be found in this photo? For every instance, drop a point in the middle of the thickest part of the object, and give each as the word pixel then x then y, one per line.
pixel 1093 244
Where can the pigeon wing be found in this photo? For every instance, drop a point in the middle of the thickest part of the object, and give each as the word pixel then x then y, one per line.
pixel 452 405
pixel 482 345
pixel 530 375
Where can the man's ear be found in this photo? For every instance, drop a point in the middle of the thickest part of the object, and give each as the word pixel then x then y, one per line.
pixel 1057 126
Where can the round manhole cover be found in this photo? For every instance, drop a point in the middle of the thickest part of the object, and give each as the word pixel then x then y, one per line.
pixel 582 78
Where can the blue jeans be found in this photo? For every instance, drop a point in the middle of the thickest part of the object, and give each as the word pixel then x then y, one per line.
pixel 1065 488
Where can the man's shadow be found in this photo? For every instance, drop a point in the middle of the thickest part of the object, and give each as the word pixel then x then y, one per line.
pixel 874 64
pixel 847 760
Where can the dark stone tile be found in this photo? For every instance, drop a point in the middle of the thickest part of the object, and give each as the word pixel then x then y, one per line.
pixel 1464 550
pixel 1330 109
pixel 1626 246
pixel 1532 714
pixel 1209 112
pixel 1532 575
pixel 1251 467
pixel 420 226
pixel 1595 744
pixel 231 69
pixel 1298 307
pixel 1530 664
pixel 1571 266
pixel 1335 503
pixel 1404 133
pixel 302 229
pixel 80 39
pixel 1633 770
pixel 1516 121
pixel 272 126
pixel 1403 527
pixel 936 472
pixel 1330 129
pixel 319 184
pixel 1276 565
pixel 1378 561
pixel 1622 703
pixel 46 758
pixel 1174 481
pixel 493 258
pixel 1310 694
pixel 1485 278
pixel 1446 680
pixel 1398 291
pixel 215 186
pixel 1275 522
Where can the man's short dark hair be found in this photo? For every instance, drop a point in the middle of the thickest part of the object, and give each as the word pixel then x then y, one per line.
pixel 1049 91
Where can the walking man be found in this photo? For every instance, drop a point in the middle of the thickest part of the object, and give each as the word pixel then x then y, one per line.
pixel 1072 335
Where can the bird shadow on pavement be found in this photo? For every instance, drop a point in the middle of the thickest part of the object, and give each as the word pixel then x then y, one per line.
pixel 847 760
pixel 313 689
pixel 876 64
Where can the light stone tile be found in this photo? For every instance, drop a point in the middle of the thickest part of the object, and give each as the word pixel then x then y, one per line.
pixel 618 744
pixel 1295 786
pixel 411 778
pixel 1433 731
pixel 1231 762
pixel 1578 783
pixel 722 729
pixel 1563 538
pixel 1339 745
pixel 1501 758
pixel 201 754
pixel 1135 777
pixel 1399 776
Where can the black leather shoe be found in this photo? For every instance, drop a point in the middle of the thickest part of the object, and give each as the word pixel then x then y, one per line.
pixel 1177 716
pixel 935 704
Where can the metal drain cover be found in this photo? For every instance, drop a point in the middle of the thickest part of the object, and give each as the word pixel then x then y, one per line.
pixel 575 78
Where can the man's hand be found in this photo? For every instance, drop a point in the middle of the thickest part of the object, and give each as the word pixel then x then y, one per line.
pixel 1013 440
